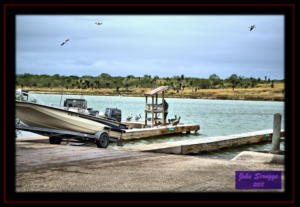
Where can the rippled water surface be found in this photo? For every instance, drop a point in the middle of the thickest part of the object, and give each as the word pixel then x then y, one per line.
pixel 215 117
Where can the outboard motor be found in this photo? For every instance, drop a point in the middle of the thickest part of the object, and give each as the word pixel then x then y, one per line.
pixel 113 113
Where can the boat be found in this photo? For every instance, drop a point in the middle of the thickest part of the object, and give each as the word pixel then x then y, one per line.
pixel 74 116
pixel 75 121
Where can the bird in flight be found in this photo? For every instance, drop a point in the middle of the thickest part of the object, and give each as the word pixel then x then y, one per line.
pixel 98 23
pixel 252 27
pixel 64 42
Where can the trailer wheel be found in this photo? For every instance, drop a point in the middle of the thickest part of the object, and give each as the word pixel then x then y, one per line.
pixel 54 140
pixel 102 139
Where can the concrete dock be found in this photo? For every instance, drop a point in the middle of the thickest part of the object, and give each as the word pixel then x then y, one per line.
pixel 42 167
pixel 207 143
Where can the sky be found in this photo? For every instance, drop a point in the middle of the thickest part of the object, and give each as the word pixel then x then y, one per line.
pixel 162 45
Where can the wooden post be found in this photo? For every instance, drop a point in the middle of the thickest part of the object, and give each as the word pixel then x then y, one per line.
pixel 163 107
pixel 120 140
pixel 276 132
pixel 146 110
pixel 152 111
pixel 156 104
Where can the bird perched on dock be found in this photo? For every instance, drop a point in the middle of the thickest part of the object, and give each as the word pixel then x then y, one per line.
pixel 138 117
pixel 176 122
pixel 64 42
pixel 158 123
pixel 171 120
pixel 98 23
pixel 129 117
pixel 252 27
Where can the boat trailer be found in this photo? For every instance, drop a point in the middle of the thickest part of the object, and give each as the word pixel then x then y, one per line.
pixel 101 138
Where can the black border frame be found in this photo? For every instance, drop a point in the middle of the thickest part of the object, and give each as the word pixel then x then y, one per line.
pixel 9 194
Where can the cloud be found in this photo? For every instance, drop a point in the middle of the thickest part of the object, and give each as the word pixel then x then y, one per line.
pixel 164 45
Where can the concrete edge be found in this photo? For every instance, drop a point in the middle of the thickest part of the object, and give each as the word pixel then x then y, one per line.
pixel 259 157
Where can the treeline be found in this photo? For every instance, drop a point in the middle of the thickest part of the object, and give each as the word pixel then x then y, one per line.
pixel 147 81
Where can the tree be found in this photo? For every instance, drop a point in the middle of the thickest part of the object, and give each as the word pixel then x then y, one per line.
pixel 203 83
pixel 125 83
pixel 97 84
pixel 130 77
pixel 259 80
pixel 147 76
pixel 233 79
pixel 222 84
pixel 214 80
pixel 182 77
pixel 87 83
pixel 253 82
pixel 272 84
pixel 105 76
pixel 155 78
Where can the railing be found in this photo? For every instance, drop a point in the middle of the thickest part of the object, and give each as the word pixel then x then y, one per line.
pixel 156 107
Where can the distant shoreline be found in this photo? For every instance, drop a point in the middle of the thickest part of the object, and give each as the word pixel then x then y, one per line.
pixel 248 94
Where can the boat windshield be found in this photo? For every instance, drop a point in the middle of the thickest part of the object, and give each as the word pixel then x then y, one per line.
pixel 78 103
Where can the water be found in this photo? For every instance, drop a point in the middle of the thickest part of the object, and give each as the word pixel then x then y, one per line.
pixel 215 117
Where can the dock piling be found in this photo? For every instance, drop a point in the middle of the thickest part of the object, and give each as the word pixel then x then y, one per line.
pixel 276 132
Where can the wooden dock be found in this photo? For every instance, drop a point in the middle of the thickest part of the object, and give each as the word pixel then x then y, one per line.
pixel 137 133
pixel 207 143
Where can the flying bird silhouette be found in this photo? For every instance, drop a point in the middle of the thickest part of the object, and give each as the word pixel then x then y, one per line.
pixel 98 23
pixel 252 27
pixel 64 42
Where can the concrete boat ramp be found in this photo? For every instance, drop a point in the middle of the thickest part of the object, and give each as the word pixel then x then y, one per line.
pixel 44 167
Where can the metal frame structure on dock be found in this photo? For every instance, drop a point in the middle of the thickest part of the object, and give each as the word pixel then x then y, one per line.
pixel 154 108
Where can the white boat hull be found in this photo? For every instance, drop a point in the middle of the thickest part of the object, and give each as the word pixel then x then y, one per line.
pixel 50 117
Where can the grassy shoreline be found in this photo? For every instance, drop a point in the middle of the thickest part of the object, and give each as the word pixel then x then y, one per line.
pixel 261 93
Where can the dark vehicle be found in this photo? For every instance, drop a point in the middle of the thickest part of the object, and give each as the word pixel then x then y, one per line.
pixel 113 113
